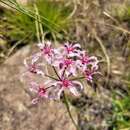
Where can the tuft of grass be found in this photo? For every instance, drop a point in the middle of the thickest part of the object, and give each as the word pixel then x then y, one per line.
pixel 16 25
pixel 56 13
pixel 121 113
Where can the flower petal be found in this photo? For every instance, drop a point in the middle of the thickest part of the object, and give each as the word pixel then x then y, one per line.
pixel 48 43
pixel 54 92
pixel 74 91
pixel 35 57
pixel 35 100
pixel 77 45
pixel 78 86
pixel 40 45
pixel 34 87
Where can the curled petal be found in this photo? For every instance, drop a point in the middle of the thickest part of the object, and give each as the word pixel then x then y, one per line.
pixel 73 70
pixel 48 43
pixel 74 54
pixel 44 96
pixel 74 91
pixel 40 72
pixel 78 86
pixel 40 45
pixel 35 100
pixel 25 62
pixel 49 59
pixel 33 67
pixel 77 45
pixel 58 51
pixel 35 57
pixel 70 71
pixel 89 78
pixel 93 58
pixel 32 59
pixel 54 92
pixel 34 87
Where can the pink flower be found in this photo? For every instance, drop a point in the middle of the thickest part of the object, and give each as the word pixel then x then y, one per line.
pixel 65 66
pixel 47 51
pixel 74 87
pixel 32 66
pixel 88 75
pixel 40 90
pixel 84 61
pixel 72 49
pixel 90 72
pixel 66 62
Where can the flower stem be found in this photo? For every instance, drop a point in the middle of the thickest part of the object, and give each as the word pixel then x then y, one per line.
pixel 51 77
pixel 78 78
pixel 64 72
pixel 69 112
pixel 56 72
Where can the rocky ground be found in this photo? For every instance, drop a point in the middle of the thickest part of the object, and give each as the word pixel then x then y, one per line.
pixel 16 110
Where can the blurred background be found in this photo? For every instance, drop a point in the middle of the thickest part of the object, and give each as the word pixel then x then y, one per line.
pixel 102 27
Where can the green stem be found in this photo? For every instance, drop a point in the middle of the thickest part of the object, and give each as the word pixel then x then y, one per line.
pixel 56 72
pixel 37 25
pixel 51 77
pixel 69 112
pixel 78 78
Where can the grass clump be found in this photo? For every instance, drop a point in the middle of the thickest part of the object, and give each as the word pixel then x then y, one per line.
pixel 53 15
pixel 16 26
pixel 121 113
pixel 56 14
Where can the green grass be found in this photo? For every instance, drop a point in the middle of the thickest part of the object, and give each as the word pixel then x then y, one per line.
pixel 17 26
pixel 56 13
pixel 121 113
pixel 53 15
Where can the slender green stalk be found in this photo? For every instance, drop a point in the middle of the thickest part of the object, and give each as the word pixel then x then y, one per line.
pixel 56 72
pixel 51 77
pixel 37 25
pixel 40 27
pixel 78 78
pixel 69 112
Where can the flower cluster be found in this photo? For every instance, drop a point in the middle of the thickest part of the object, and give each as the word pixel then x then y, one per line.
pixel 69 64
